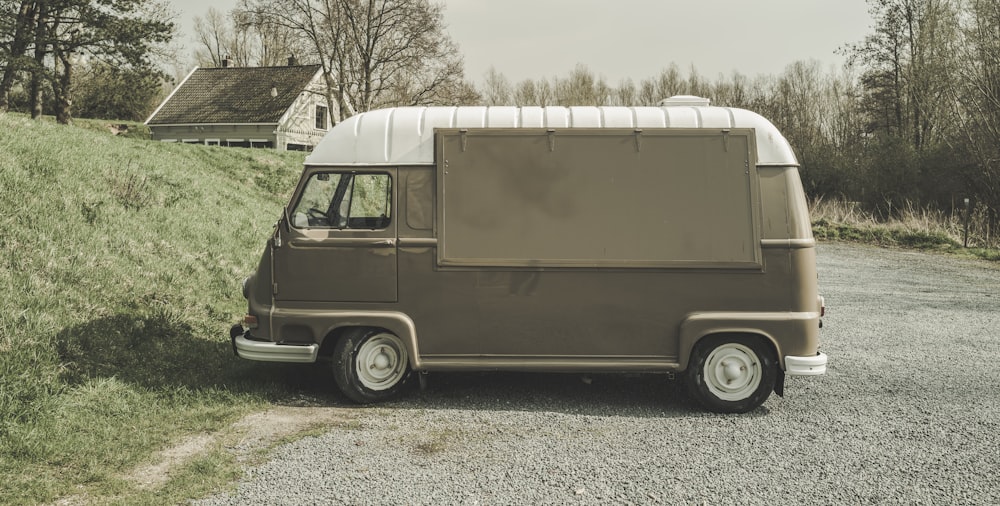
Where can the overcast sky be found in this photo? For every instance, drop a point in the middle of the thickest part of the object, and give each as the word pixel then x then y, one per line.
pixel 634 38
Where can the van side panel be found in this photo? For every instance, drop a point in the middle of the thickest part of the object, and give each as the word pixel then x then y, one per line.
pixel 585 244
pixel 598 198
pixel 581 313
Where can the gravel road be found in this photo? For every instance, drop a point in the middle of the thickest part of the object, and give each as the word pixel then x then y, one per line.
pixel 907 413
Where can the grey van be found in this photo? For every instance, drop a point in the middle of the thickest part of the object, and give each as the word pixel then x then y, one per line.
pixel 672 239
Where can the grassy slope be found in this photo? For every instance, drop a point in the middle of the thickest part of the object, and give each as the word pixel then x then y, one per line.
pixel 120 263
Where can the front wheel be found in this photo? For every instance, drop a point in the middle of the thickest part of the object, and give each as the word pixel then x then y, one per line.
pixel 370 365
pixel 732 374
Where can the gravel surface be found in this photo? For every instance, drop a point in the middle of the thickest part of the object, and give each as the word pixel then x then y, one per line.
pixel 907 413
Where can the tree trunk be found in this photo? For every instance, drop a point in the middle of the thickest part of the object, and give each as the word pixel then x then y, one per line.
pixel 41 46
pixel 62 87
pixel 18 46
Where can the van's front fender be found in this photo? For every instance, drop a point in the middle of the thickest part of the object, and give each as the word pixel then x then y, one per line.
pixel 322 324
pixel 791 333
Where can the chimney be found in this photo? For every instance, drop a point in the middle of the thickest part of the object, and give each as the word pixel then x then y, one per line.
pixel 227 62
pixel 293 61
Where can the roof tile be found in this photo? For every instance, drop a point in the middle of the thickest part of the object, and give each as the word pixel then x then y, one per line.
pixel 235 95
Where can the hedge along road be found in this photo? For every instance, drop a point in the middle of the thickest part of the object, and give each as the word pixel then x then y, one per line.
pixel 908 413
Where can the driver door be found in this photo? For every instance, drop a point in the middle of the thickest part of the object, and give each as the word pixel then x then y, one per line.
pixel 338 242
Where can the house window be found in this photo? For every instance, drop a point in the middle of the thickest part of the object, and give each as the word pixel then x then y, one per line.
pixel 321 117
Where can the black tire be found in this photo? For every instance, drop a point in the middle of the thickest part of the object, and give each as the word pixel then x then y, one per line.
pixel 370 365
pixel 732 374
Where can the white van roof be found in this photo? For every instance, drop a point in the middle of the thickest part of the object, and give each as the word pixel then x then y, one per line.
pixel 405 135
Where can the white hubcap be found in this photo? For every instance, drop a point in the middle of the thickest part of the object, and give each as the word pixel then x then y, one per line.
pixel 732 372
pixel 381 361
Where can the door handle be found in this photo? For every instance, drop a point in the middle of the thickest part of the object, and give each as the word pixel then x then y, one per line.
pixel 385 242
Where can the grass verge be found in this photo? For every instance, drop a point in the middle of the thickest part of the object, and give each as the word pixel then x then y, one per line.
pixel 919 229
pixel 120 264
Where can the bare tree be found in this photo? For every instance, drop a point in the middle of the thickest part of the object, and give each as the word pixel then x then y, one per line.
pixel 668 83
pixel 977 97
pixel 497 89
pixel 392 42
pixel 214 35
pixel 581 87
pixel 374 53
pixel 732 92
pixel 526 93
pixel 545 92
pixel 625 94
pixel 245 39
pixel 906 66
pixel 269 44
pixel 648 95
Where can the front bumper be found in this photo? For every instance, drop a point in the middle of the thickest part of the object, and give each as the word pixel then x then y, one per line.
pixel 267 351
pixel 814 365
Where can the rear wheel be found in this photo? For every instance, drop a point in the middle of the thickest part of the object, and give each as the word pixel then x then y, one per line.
pixel 370 365
pixel 732 374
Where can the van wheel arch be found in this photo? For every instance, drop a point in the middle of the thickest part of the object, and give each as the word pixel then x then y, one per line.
pixel 329 342
pixel 732 372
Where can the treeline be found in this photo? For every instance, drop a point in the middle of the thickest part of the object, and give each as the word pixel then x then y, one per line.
pixel 912 120
pixel 823 112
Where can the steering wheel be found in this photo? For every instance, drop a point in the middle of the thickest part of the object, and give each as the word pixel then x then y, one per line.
pixel 317 215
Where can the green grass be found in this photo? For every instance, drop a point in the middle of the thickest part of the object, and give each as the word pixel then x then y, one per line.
pixel 120 264
pixel 919 229
pixel 132 130
pixel 884 235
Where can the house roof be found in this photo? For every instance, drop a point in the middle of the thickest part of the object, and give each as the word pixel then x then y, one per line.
pixel 234 95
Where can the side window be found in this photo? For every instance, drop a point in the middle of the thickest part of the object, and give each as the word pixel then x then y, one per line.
pixel 345 201
pixel 321 117
pixel 419 199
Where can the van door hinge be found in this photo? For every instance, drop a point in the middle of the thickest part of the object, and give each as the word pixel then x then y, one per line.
pixel 274 289
pixel 552 139
pixel 725 140
pixel 638 139
pixel 277 234
pixel 465 138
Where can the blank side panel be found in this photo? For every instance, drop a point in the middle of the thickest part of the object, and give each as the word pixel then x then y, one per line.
pixel 598 198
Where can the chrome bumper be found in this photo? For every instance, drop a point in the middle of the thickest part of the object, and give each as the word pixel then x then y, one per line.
pixel 266 351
